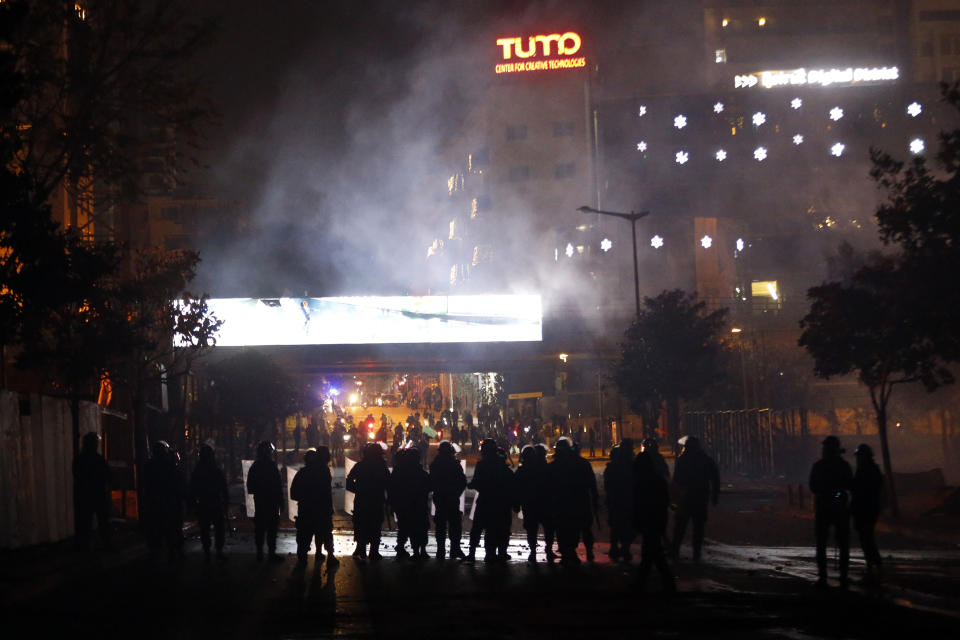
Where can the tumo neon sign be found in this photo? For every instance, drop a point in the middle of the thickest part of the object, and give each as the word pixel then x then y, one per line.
pixel 542 52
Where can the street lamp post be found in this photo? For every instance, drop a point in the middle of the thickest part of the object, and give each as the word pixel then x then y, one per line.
pixel 633 216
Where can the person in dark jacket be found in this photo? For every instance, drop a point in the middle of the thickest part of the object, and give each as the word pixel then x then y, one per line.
pixel 208 492
pixel 368 481
pixel 447 481
pixel 571 489
pixel 493 480
pixel 696 476
pixel 652 498
pixel 589 479
pixel 310 487
pixel 830 481
pixel 266 487
pixel 408 491
pixel 532 497
pixel 91 477
pixel 865 507
pixel 618 485
pixel 651 447
pixel 163 501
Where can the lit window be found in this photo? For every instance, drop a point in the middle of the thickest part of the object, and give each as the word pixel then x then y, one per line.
pixel 761 22
pixel 81 12
pixel 720 56
pixel 765 289
pixel 725 22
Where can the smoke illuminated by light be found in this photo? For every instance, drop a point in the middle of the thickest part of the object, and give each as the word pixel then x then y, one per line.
pixel 682 157
pixel 656 242
pixel 760 154
pixel 837 149
pixel 836 113
pixel 914 109
pixel 917 146
pixel 680 121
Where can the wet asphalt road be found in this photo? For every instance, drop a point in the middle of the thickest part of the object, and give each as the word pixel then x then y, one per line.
pixel 738 592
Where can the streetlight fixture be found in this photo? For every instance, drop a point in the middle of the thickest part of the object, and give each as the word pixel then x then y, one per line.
pixel 633 216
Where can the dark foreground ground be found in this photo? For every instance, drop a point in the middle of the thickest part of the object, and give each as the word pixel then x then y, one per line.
pixel 755 581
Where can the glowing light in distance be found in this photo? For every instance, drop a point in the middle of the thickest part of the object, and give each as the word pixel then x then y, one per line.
pixel 334 392
pixel 641 146
pixel 914 109
pixel 759 118
pixel 836 113
pixel 798 139
pixel 680 121
pixel 760 154
pixel 569 250
pixel 736 330
pixel 564 356
pixel 796 103
pixel 706 242
pixel 354 398
pixel 606 245
pixel 725 22
pixel 837 149
pixel 740 244
pixel 917 146
pixel 772 288
pixel 642 111
pixel 656 242
pixel 718 108
pixel 762 22
pixel 682 157
pixel 721 155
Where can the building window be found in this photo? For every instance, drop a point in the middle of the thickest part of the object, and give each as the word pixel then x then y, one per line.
pixel 479 159
pixel 516 132
pixel 564 170
pixel 950 44
pixel 562 129
pixel 720 56
pixel 519 174
pixel 479 205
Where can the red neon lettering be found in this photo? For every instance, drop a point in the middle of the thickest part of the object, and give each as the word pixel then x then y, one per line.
pixel 568 44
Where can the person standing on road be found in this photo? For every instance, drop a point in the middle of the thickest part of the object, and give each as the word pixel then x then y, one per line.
pixel 91 477
pixel 532 497
pixel 830 480
pixel 618 484
pixel 208 492
pixel 696 475
pixel 652 447
pixel 493 481
pixel 865 506
pixel 368 481
pixel 571 507
pixel 266 487
pixel 408 492
pixel 652 500
pixel 589 479
pixel 447 481
pixel 310 487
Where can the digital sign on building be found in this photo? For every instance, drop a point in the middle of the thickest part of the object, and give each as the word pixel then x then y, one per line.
pixel 540 53
pixel 377 320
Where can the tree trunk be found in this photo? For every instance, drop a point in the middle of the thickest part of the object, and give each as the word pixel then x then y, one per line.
pixel 885 453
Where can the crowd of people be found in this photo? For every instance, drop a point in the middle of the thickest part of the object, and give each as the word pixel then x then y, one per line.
pixel 557 499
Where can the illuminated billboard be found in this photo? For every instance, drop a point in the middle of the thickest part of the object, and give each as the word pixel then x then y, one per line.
pixel 541 53
pixel 377 320
pixel 847 76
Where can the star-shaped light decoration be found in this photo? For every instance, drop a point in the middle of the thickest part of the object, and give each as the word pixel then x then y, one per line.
pixel 718 108
pixel 914 109
pixel 606 245
pixel 796 103
pixel 656 242
pixel 917 146
pixel 682 157
pixel 836 113
pixel 721 155
pixel 642 111
pixel 680 121
pixel 798 139
pixel 706 242
pixel 759 118
pixel 760 154
pixel 837 149
pixel 740 244
pixel 641 146
pixel 569 250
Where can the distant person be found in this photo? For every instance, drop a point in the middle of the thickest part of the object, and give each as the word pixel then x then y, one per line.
pixel 532 497
pixel 409 493
pixel 266 487
pixel 368 481
pixel 652 497
pixel 297 434
pixel 493 481
pixel 91 477
pixel 447 481
pixel 696 476
pixel 337 442
pixel 311 488
pixel 208 492
pixel 163 501
pixel 830 480
pixel 865 506
pixel 618 485
pixel 313 434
